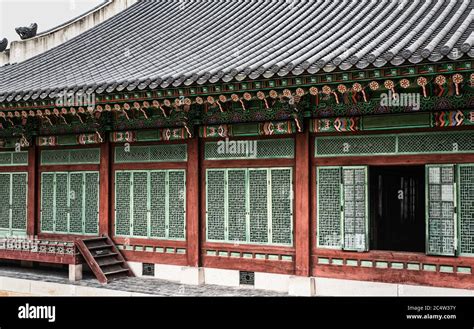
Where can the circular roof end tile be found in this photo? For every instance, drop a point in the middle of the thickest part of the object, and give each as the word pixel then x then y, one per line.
pixel 353 59
pixel 425 53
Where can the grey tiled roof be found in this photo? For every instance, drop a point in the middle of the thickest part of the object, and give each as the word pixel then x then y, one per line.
pixel 170 43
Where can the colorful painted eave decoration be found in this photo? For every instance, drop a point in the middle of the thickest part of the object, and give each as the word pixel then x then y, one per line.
pixel 66 140
pixel 441 92
pixel 439 119
pixel 339 124
pixel 250 129
pixel 363 76
pixel 453 118
pixel 429 81
pixel 155 135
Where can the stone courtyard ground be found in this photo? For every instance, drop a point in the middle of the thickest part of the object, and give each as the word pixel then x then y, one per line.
pixel 55 282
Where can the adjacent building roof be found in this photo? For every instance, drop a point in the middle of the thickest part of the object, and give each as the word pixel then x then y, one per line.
pixel 161 43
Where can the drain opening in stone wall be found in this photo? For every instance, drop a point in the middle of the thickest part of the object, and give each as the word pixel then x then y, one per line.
pixel 148 269
pixel 247 278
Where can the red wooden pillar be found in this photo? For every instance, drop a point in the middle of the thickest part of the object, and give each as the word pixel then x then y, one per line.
pixel 302 213
pixel 104 178
pixel 32 203
pixel 192 203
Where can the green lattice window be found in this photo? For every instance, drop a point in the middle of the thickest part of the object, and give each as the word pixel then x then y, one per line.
pixel 466 209
pixel 247 205
pixel 151 153
pixel 414 143
pixel 355 196
pixel 70 156
pixel 342 213
pixel 329 207
pixel 70 202
pixel 450 209
pixel 13 158
pixel 13 203
pixel 151 204
pixel 440 210
pixel 248 149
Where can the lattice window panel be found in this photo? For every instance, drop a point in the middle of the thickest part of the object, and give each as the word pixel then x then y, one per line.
pixel 414 143
pixel 236 204
pixel 282 206
pixel 342 212
pixel 245 149
pixel 151 204
pixel 61 203
pixel 441 210
pixel 72 156
pixel 329 207
pixel 47 202
pixel 176 204
pixel 466 209
pixel 86 155
pixel 55 156
pixel 70 202
pixel 258 205
pixel 140 204
pixel 5 158
pixel 5 194
pixel 13 203
pixel 355 145
pixel 158 204
pixel 440 142
pixel 250 205
pixel 91 199
pixel 19 200
pixel 355 208
pixel 151 153
pixel 13 158
pixel 20 158
pixel 76 201
pixel 216 204
pixel 123 202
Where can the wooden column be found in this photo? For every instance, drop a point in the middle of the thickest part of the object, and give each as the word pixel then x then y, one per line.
pixel 32 203
pixel 192 203
pixel 302 206
pixel 104 198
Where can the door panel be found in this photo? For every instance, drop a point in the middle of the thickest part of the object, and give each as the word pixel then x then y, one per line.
pixel 441 203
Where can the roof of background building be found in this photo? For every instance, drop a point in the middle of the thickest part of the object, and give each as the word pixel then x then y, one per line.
pixel 162 43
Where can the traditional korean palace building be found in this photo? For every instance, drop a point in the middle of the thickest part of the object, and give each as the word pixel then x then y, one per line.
pixel 288 144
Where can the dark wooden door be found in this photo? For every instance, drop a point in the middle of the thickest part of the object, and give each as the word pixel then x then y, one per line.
pixel 397 208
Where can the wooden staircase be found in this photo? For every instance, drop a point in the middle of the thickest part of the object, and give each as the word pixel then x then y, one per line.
pixel 104 259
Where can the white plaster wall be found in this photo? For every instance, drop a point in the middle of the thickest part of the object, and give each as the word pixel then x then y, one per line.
pixel 301 286
pixel 337 287
pixel 230 278
pixel 192 275
pixel 273 282
pixel 411 290
pixel 168 272
pixel 5 57
pixel 137 268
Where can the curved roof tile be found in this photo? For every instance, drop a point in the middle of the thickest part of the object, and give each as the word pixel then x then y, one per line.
pixel 171 43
